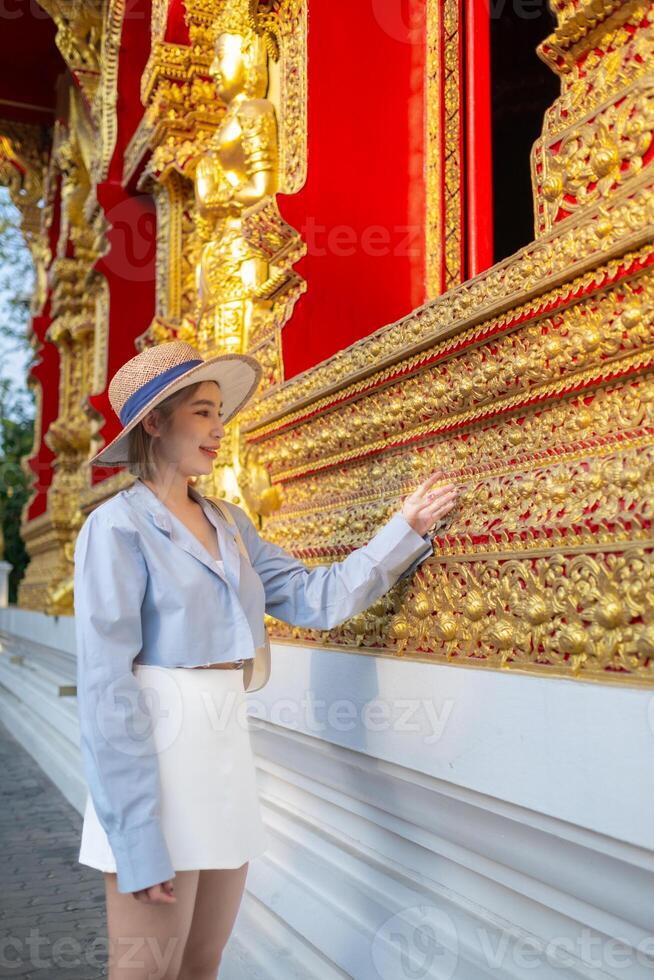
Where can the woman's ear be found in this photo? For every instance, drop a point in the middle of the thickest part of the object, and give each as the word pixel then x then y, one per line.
pixel 151 422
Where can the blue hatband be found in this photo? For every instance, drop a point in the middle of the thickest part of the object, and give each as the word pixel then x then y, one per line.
pixel 146 392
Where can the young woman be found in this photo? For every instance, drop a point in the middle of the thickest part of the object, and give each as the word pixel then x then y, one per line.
pixel 170 595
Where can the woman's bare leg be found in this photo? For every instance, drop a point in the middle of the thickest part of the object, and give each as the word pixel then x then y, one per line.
pixel 216 905
pixel 146 940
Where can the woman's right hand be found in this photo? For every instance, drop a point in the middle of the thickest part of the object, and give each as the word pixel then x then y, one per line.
pixel 157 894
pixel 425 506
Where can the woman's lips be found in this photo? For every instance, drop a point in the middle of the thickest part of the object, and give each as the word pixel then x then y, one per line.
pixel 210 452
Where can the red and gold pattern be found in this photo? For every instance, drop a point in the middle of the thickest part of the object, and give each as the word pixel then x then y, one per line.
pixel 531 384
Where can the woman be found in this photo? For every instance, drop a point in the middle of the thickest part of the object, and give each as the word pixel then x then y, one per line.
pixel 166 584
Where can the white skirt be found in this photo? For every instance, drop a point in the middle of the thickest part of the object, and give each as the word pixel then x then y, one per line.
pixel 209 804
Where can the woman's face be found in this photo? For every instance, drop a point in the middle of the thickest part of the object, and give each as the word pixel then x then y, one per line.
pixel 195 430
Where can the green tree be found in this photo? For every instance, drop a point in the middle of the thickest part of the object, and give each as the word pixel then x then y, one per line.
pixel 16 398
pixel 17 433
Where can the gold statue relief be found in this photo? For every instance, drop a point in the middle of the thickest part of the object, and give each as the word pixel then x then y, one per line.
pixel 244 277
pixel 237 171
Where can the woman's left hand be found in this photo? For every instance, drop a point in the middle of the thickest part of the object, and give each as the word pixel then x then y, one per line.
pixel 425 506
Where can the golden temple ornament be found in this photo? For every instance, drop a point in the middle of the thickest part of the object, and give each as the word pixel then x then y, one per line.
pixel 247 18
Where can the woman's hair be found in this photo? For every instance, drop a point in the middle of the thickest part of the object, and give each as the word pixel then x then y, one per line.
pixel 140 446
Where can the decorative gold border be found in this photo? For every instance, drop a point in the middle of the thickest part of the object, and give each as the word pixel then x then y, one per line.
pixel 606 232
pixel 444 165
pixel 109 86
pixel 469 339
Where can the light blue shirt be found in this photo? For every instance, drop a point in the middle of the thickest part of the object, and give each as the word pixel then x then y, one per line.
pixel 147 591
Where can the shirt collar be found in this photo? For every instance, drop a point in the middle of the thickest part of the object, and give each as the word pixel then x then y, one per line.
pixel 162 515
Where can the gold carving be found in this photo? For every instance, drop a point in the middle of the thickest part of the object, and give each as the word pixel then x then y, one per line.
pixel 526 364
pixel 247 250
pixel 214 114
pixel 581 24
pixel 444 168
pixel 564 262
pixel 598 134
pixel 593 159
pixel 533 528
pixel 531 385
pixel 234 177
pixel 244 265
pixel 79 39
pixel 76 291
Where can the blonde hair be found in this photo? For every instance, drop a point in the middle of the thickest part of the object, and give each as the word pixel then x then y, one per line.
pixel 141 445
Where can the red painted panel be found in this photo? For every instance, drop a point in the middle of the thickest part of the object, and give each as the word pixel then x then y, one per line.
pixel 176 27
pixel 129 268
pixel 129 264
pixel 479 163
pixel 133 56
pixel 45 370
pixel 361 209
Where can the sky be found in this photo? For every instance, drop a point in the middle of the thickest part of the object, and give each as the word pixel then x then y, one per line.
pixel 15 356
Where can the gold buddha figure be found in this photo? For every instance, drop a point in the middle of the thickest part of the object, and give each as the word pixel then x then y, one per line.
pixel 237 170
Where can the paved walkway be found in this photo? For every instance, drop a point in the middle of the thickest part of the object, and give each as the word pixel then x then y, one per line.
pixel 52 909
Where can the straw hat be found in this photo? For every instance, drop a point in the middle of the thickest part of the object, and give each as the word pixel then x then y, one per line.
pixel 145 380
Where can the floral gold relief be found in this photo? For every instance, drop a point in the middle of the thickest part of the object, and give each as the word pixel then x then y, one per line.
pixel 76 293
pixel 598 134
pixel 532 385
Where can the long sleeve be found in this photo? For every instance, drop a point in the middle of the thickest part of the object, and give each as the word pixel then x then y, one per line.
pixel 324 596
pixel 118 754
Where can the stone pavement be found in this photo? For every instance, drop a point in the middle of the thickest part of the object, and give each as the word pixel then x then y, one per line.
pixel 52 909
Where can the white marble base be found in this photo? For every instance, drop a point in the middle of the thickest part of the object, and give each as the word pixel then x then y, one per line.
pixel 427 820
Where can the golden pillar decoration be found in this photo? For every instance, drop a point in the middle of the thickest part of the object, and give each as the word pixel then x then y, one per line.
pixel 235 180
pixel 237 170
pixel 225 276
pixel 47 584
